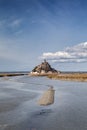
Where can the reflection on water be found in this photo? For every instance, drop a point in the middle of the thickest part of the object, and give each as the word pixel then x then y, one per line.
pixel 19 109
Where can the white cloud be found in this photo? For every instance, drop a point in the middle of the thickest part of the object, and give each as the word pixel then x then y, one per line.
pixel 15 23
pixel 77 53
pixel 10 23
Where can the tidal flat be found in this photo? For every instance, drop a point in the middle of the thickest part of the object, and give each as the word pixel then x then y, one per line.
pixel 19 108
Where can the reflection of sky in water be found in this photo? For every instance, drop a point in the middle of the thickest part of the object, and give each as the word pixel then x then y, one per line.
pixel 20 96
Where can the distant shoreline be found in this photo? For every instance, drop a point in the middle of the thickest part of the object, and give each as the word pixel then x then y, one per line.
pixel 9 74
pixel 71 76
pixel 68 76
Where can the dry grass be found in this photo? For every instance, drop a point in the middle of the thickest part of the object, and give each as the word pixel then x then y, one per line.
pixel 69 76
pixel 65 76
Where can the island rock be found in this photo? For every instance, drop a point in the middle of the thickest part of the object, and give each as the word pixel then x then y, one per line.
pixel 44 68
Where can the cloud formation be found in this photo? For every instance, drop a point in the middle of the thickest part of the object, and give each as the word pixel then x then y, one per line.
pixel 10 23
pixel 15 23
pixel 77 53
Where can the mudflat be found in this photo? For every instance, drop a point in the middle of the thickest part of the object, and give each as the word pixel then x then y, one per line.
pixel 19 108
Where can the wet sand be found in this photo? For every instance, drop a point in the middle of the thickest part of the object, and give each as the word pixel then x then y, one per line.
pixel 19 109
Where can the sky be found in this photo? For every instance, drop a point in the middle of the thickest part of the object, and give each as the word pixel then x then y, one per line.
pixel 34 30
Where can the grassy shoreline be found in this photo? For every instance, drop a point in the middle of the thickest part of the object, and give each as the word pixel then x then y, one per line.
pixel 69 76
pixel 65 76
pixel 58 76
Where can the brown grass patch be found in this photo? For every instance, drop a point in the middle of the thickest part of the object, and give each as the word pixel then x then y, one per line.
pixel 69 76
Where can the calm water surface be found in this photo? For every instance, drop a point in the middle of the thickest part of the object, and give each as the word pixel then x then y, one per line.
pixel 19 109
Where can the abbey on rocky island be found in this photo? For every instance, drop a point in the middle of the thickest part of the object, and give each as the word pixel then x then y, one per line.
pixel 44 68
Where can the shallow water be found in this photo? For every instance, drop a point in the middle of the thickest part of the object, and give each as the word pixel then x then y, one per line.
pixel 19 109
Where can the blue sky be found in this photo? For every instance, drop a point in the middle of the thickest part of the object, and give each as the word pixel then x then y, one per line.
pixel 33 30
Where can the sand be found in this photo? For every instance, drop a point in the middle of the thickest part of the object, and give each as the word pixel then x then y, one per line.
pixel 47 97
